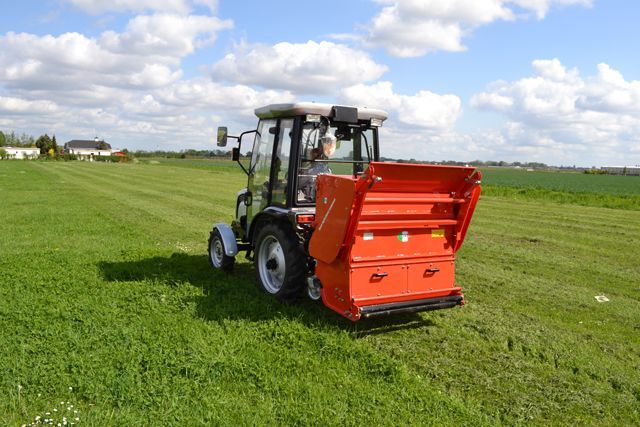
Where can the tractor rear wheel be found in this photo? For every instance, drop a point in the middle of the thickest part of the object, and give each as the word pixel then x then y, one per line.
pixel 217 255
pixel 280 262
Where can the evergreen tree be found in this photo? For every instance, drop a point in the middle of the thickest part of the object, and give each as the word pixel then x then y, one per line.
pixel 2 139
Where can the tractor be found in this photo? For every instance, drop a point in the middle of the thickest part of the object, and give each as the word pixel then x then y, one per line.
pixel 322 215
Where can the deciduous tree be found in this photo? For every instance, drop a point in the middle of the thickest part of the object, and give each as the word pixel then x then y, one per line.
pixel 44 143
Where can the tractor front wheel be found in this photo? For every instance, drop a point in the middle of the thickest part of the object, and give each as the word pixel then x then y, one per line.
pixel 217 255
pixel 280 262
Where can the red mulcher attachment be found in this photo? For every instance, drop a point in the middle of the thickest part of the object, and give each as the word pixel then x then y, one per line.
pixel 386 242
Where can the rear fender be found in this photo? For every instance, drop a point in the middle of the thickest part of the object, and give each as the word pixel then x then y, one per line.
pixel 270 214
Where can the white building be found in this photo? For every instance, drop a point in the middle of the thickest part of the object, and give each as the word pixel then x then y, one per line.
pixel 21 152
pixel 622 170
pixel 88 149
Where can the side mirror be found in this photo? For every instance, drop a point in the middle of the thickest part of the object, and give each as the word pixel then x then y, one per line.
pixel 222 136
pixel 235 154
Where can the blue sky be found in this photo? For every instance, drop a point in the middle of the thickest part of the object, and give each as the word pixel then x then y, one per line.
pixel 555 81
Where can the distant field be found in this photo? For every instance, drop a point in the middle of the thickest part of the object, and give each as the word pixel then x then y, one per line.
pixel 107 303
pixel 612 191
pixel 572 182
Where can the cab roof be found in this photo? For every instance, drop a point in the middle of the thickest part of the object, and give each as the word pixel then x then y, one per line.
pixel 300 108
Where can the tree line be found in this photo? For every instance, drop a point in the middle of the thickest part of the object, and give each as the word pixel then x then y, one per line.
pixel 182 154
pixel 46 144
pixel 476 163
pixel 13 140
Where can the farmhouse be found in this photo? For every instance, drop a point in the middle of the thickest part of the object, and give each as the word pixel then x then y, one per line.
pixel 622 170
pixel 88 149
pixel 21 152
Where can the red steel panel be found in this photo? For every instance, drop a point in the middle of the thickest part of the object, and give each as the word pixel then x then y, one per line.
pixel 334 202
pixel 378 281
pixel 431 276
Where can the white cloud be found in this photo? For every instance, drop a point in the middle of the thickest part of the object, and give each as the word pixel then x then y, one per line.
pixel 11 105
pixel 408 28
pixel 405 143
pixel 146 55
pixel 420 125
pixel 200 93
pixel 177 6
pixel 181 115
pixel 424 109
pixel 496 101
pixel 306 68
pixel 556 116
pixel 164 35
pixel 610 92
pixel 561 115
pixel 126 86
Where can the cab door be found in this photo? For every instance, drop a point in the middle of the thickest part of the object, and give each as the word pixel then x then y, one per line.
pixel 260 169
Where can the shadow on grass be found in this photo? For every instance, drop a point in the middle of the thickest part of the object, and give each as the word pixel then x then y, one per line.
pixel 235 295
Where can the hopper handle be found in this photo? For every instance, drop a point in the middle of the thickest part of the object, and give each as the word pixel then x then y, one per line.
pixel 379 274
pixel 432 270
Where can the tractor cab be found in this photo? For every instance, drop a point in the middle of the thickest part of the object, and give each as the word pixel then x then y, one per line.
pixel 292 145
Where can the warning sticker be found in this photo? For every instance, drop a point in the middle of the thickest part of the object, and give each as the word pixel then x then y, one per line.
pixel 404 236
pixel 367 236
pixel 437 233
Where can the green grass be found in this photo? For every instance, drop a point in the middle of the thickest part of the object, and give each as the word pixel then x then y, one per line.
pixel 105 288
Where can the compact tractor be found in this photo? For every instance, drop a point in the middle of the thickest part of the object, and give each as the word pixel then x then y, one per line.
pixel 322 213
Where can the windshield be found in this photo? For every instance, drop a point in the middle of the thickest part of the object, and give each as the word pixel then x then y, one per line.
pixel 340 150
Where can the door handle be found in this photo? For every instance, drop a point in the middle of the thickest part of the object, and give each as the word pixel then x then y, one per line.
pixel 432 270
pixel 379 274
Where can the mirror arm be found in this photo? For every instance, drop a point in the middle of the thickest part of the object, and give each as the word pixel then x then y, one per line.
pixel 239 139
pixel 243 168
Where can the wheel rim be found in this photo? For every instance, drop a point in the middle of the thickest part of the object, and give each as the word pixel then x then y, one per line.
pixel 216 252
pixel 314 288
pixel 271 264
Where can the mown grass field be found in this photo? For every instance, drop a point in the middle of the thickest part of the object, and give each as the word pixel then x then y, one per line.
pixel 107 303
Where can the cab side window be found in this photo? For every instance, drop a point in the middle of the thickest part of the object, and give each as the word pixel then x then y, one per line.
pixel 279 194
